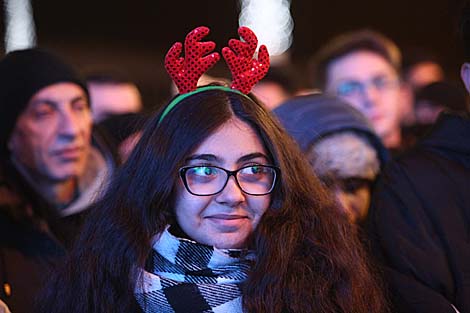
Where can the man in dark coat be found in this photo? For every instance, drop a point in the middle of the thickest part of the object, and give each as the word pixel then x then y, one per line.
pixel 420 221
pixel 420 218
pixel 50 172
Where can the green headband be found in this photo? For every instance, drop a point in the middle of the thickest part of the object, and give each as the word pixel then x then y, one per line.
pixel 183 96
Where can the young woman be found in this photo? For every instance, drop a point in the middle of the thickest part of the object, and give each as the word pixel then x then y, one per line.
pixel 216 210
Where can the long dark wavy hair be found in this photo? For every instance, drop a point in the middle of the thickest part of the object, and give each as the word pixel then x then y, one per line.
pixel 308 258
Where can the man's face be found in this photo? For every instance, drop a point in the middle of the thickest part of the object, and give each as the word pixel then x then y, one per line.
pixel 370 84
pixel 52 135
pixel 107 99
pixel 271 94
pixel 424 73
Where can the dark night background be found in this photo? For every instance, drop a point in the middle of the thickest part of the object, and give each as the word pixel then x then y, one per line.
pixel 132 36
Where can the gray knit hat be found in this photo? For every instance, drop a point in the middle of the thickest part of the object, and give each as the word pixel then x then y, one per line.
pixel 310 118
pixel 22 74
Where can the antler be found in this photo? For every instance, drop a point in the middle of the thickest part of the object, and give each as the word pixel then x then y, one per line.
pixel 246 71
pixel 185 72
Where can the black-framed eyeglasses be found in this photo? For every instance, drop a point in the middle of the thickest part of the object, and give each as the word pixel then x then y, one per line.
pixel 204 180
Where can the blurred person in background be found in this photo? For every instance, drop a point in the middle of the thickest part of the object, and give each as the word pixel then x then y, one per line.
pixel 420 215
pixel 421 67
pixel 432 99
pixel 51 169
pixel 341 146
pixel 429 101
pixel 363 68
pixel 110 94
pixel 279 84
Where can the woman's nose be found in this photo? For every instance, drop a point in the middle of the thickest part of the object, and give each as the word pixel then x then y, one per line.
pixel 231 194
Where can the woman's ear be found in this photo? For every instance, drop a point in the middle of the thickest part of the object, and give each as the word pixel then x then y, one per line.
pixel 465 75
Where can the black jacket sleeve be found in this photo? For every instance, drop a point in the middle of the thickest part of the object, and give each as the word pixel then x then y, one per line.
pixel 416 226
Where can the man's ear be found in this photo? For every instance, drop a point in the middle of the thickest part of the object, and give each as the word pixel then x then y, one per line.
pixel 465 75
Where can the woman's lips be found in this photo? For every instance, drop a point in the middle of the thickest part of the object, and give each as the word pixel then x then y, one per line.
pixel 227 221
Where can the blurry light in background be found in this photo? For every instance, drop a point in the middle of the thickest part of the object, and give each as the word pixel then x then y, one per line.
pixel 20 31
pixel 271 21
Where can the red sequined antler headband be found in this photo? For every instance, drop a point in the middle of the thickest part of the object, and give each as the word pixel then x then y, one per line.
pixel 246 71
pixel 186 71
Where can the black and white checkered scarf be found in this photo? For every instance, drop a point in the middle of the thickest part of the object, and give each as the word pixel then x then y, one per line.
pixel 184 276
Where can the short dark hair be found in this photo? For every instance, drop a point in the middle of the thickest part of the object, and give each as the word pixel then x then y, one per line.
pixel 414 55
pixel 283 75
pixel 349 42
pixel 108 78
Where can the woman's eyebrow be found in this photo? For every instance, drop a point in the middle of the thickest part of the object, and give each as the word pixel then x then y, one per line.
pixel 205 157
pixel 213 158
pixel 252 156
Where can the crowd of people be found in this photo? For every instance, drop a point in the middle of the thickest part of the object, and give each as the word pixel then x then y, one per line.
pixel 242 193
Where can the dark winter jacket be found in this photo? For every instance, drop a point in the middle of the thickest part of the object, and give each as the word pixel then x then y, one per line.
pixel 29 241
pixel 420 222
pixel 33 236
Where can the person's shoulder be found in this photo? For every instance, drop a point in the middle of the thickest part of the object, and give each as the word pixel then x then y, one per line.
pixel 414 159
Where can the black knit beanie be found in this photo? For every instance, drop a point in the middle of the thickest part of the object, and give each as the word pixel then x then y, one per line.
pixel 22 74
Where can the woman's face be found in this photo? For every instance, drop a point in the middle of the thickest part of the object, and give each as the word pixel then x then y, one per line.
pixel 348 164
pixel 354 196
pixel 226 219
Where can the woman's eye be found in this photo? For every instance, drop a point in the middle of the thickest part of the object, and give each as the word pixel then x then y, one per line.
pixel 208 171
pixel 253 170
pixel 204 171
